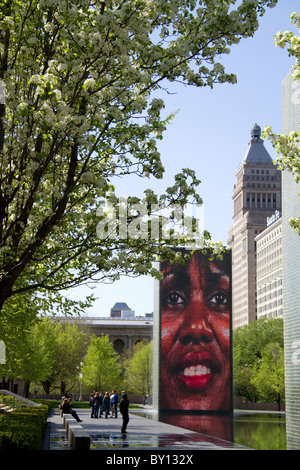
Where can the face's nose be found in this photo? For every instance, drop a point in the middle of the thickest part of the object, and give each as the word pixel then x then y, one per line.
pixel 196 328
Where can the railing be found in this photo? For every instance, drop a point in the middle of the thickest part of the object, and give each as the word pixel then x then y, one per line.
pixel 18 398
pixel 87 318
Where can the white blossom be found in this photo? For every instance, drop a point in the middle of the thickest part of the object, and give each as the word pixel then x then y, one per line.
pixel 79 110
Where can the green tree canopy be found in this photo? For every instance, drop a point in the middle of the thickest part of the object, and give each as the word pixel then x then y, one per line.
pixel 77 109
pixel 249 346
pixel 138 369
pixel 269 374
pixel 70 345
pixel 31 354
pixel 42 350
pixel 250 340
pixel 18 317
pixel 101 368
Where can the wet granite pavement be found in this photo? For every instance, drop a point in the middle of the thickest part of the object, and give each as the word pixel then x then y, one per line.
pixel 142 434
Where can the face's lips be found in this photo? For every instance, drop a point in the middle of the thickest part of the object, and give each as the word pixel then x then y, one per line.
pixel 197 370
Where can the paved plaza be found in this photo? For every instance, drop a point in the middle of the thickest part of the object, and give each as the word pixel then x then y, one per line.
pixel 143 433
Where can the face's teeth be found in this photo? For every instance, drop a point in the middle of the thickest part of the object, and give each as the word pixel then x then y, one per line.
pixel 196 370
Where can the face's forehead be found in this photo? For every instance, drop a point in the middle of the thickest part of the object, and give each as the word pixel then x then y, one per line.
pixel 214 268
pixel 197 262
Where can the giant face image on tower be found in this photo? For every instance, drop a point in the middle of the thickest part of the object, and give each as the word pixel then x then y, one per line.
pixel 195 335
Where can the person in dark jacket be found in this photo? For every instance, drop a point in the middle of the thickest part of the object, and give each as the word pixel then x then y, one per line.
pixel 92 405
pixel 124 404
pixel 106 403
pixel 96 404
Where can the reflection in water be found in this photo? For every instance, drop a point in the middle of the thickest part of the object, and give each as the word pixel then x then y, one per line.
pixel 261 431
pixel 255 430
pixel 217 426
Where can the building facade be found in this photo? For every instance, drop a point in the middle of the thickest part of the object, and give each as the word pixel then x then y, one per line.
pixel 256 195
pixel 291 271
pixel 122 333
pixel 269 278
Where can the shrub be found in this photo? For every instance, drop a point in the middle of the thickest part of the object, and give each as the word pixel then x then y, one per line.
pixel 24 428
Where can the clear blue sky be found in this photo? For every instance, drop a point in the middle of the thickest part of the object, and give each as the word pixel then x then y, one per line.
pixel 210 134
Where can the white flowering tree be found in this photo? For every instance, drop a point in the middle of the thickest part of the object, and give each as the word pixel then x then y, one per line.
pixel 288 145
pixel 77 109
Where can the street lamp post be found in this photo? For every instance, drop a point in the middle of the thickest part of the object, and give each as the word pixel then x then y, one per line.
pixel 79 377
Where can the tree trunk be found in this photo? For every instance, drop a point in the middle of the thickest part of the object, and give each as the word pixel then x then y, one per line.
pixel 46 386
pixel 63 388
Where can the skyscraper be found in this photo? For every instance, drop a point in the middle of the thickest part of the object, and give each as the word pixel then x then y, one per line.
pixel 269 275
pixel 256 196
pixel 291 271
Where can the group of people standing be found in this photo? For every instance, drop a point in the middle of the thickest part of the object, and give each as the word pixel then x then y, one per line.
pixel 107 403
pixel 104 402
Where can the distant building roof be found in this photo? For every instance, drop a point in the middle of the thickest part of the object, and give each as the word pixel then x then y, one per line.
pixel 120 306
pixel 256 150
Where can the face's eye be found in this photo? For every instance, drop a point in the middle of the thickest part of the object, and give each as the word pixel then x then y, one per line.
pixel 175 298
pixel 219 300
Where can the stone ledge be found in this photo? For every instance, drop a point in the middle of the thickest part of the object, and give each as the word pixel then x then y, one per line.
pixel 79 438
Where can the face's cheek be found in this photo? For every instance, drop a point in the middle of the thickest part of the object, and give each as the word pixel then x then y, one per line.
pixel 169 330
pixel 169 335
pixel 222 337
pixel 225 332
pixel 222 334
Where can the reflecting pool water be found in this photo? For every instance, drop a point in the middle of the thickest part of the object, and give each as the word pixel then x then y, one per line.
pixel 255 430
pixel 260 431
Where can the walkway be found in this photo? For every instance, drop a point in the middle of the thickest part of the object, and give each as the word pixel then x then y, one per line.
pixel 142 434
